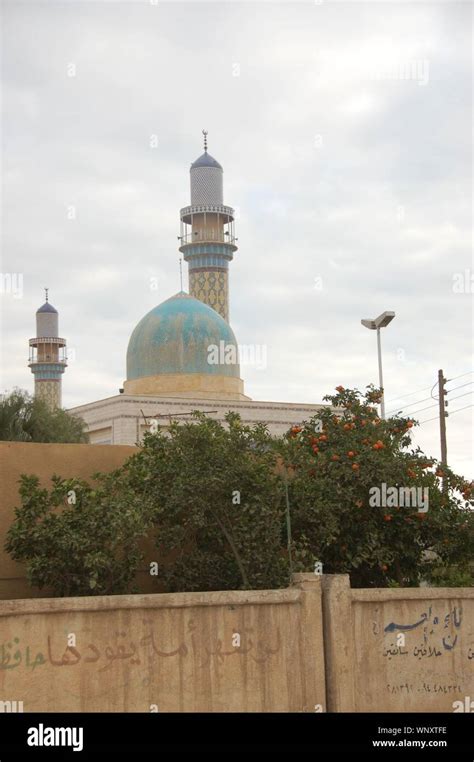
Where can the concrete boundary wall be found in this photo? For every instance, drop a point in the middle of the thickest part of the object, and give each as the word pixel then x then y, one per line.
pixel 186 652
pixel 316 646
pixel 397 649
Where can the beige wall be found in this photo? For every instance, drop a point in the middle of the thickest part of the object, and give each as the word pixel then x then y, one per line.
pixel 180 652
pixel 176 651
pixel 369 669
pixel 119 418
pixel 66 460
pixel 188 385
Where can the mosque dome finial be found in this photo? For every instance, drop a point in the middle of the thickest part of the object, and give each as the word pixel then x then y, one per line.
pixel 46 307
pixel 206 160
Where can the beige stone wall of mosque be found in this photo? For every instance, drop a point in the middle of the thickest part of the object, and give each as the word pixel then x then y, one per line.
pixel 188 385
pixel 49 391
pixel 119 419
pixel 212 288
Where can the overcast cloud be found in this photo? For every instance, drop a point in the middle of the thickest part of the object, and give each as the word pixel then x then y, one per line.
pixel 344 130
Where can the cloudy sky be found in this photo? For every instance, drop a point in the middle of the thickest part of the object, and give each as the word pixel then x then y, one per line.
pixel 344 130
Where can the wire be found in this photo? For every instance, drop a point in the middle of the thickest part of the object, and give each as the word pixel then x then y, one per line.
pixel 461 376
pixel 399 410
pixel 428 407
pixel 429 419
pixel 458 410
pixel 410 394
pixel 460 386
pixel 466 394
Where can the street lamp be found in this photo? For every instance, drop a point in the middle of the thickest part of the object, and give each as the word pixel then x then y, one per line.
pixel 375 325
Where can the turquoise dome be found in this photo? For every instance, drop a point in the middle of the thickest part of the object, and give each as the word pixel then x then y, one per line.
pixel 175 337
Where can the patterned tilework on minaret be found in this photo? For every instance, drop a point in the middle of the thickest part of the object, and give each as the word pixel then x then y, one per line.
pixel 207 237
pixel 48 356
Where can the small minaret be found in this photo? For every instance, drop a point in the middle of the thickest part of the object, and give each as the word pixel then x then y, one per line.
pixel 47 355
pixel 207 235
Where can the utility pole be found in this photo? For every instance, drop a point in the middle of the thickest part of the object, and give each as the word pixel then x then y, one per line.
pixel 442 417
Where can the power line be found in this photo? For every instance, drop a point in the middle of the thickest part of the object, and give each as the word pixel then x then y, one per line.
pixel 458 410
pixel 410 394
pixel 466 394
pixel 460 386
pixel 428 407
pixel 399 410
pixel 461 376
pixel 429 419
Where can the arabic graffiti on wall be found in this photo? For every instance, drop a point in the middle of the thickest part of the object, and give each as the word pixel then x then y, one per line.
pixel 14 654
pixel 434 635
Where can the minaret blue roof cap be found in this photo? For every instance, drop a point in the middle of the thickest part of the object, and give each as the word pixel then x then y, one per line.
pixel 206 160
pixel 47 307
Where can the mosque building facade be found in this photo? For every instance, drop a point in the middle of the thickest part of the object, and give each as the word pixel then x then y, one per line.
pixel 171 366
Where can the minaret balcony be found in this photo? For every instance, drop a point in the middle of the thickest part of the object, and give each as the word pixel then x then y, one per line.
pixel 226 213
pixel 33 361
pixel 47 340
pixel 207 236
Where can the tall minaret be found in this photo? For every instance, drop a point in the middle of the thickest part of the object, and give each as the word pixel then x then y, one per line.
pixel 47 355
pixel 207 235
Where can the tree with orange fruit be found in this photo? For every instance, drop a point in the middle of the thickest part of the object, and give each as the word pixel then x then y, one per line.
pixel 330 481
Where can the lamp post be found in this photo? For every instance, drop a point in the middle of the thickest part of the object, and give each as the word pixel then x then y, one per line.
pixel 375 325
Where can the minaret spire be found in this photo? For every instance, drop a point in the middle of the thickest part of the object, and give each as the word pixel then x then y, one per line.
pixel 207 235
pixel 47 355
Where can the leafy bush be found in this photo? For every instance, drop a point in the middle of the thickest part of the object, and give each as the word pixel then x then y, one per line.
pixel 78 539
pixel 24 418
pixel 217 504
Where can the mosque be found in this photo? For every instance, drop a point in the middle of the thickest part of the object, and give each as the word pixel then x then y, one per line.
pixel 170 357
